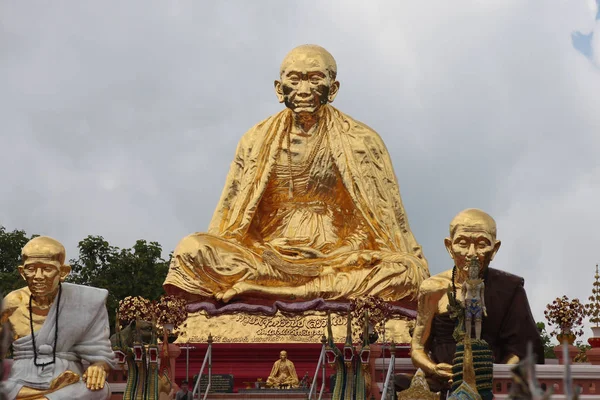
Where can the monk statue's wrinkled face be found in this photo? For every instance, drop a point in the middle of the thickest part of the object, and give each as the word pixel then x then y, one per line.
pixel 472 237
pixel 43 266
pixel 283 356
pixel 307 81
pixel 43 277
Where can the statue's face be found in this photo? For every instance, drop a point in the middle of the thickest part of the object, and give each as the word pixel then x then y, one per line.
pixel 306 84
pixel 43 277
pixel 469 242
pixel 283 356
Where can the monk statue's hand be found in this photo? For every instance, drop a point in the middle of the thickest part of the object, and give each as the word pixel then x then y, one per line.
pixel 443 370
pixel 301 252
pixel 484 312
pixel 95 376
pixel 284 242
pixel 340 251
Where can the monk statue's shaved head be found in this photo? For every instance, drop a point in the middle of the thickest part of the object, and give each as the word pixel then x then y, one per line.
pixel 43 249
pixel 475 219
pixel 308 52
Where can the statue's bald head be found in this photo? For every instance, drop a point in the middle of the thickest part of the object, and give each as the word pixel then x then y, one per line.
pixel 310 52
pixel 472 237
pixel 43 249
pixel 473 218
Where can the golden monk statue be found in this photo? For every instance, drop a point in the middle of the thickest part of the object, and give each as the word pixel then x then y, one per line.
pixel 311 207
pixel 283 373
pixel 55 327
pixel 507 326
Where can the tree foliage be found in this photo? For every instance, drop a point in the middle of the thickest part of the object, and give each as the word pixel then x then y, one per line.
pixel 11 244
pixel 136 271
pixel 548 346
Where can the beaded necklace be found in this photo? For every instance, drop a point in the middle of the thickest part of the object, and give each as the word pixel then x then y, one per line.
pixel 35 355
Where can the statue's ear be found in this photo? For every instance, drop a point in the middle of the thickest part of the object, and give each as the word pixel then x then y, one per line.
pixel 496 248
pixel 279 91
pixel 448 244
pixel 333 91
pixel 21 271
pixel 65 270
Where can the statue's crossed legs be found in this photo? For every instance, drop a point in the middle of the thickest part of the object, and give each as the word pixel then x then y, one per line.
pixel 67 385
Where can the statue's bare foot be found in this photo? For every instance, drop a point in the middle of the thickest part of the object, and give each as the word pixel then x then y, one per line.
pixel 236 289
pixel 65 379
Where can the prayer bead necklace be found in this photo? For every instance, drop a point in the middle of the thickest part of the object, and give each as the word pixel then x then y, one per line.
pixel 35 355
pixel 484 278
pixel 308 162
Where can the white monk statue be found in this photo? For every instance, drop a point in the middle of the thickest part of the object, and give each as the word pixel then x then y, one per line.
pixel 56 326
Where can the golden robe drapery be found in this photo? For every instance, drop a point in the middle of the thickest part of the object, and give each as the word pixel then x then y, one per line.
pixel 386 261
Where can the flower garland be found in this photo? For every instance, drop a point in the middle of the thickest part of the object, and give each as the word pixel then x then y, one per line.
pixel 132 308
pixel 170 310
pixel 379 312
pixel 566 315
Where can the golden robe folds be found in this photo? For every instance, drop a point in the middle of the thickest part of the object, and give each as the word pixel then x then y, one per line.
pixel 286 191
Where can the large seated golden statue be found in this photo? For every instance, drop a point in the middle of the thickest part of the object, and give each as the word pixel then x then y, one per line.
pixel 311 207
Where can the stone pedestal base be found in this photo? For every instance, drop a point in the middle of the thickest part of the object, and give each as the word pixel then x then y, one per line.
pixel 306 327
pixel 573 351
pixel 593 355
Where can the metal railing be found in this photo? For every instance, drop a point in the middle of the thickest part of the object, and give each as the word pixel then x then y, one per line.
pixel 388 386
pixel 207 359
pixel 320 364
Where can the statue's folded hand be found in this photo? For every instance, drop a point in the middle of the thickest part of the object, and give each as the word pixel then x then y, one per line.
pixel 443 370
pixel 95 376
pixel 301 252
pixel 287 242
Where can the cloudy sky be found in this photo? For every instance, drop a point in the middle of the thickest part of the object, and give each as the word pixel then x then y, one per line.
pixel 120 119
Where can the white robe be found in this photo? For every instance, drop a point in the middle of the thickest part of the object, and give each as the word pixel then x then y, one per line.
pixel 83 334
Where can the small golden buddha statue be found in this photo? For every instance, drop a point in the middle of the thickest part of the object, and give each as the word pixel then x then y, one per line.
pixel 55 327
pixel 311 206
pixel 283 374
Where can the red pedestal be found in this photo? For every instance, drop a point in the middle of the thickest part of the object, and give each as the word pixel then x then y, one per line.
pixel 247 362
pixel 573 351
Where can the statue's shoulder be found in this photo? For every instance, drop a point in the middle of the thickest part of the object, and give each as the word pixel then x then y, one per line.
pixel 506 279
pixel 358 128
pixel 15 298
pixel 436 285
pixel 81 294
pixel 261 128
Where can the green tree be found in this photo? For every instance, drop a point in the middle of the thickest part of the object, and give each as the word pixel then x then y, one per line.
pixel 137 271
pixel 548 346
pixel 11 244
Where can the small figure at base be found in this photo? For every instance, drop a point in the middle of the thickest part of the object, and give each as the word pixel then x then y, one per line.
pixel 283 373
